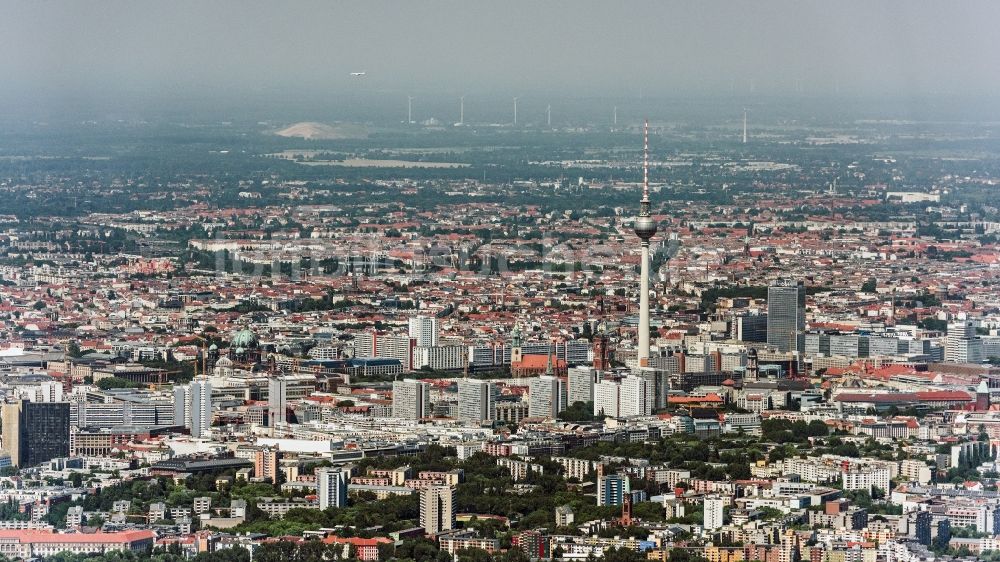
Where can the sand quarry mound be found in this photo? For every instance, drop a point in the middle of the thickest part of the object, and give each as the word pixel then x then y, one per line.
pixel 311 130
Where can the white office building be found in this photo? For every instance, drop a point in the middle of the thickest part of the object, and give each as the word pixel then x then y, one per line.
pixel 867 479
pixel 714 507
pixel 546 397
pixel 201 407
pixel 440 357
pixel 411 399
pixel 193 406
pixel 631 396
pixel 606 399
pixel 424 329
pixel 962 344
pixel 476 400
pixel 49 391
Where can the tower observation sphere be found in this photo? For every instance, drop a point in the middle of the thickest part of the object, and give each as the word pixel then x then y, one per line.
pixel 645 227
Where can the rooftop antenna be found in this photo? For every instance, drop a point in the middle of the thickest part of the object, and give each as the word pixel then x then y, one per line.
pixel 409 109
pixel 548 115
pixel 461 110
pixel 515 111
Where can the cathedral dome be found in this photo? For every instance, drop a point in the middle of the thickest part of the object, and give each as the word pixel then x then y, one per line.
pixel 245 339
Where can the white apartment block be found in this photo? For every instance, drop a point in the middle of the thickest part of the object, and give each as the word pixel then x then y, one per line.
pixel 411 399
pixel 866 479
pixel 476 400
pixel 424 329
pixel 546 397
pixel 440 357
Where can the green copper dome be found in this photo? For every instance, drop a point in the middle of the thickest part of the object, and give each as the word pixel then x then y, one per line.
pixel 245 338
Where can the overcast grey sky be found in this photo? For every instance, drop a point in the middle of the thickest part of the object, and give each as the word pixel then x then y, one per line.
pixel 584 48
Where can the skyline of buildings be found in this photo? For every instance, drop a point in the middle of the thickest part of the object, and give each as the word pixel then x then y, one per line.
pixel 785 371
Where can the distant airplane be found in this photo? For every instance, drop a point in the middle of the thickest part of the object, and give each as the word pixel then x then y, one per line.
pixel 358 73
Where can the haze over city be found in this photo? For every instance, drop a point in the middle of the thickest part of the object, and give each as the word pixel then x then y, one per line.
pixel 464 281
pixel 182 53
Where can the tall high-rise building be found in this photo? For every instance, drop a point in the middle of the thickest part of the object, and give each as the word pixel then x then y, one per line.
pixel 581 381
pixel 411 399
pixel 386 346
pixel 546 397
pixel 645 229
pixel 437 509
pixel 265 464
pixel 424 329
pixel 786 315
pixel 629 397
pixel 35 432
pixel 962 344
pixel 277 401
pixel 659 386
pixel 612 489
pixel 182 406
pixel 476 400
pixel 749 327
pixel 331 483
pixel 714 507
pixel 637 396
pixel 201 407
pixel 606 399
pixel 921 521
pixel 193 406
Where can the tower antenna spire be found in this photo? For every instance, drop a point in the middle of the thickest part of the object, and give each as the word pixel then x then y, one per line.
pixel 644 203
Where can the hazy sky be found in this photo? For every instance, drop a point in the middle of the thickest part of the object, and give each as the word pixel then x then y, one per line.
pixel 580 48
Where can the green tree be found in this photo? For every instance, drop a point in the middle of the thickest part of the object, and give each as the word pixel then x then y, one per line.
pixel 578 412
pixel 108 383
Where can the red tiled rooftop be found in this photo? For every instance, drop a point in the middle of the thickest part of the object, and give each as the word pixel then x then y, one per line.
pixel 41 536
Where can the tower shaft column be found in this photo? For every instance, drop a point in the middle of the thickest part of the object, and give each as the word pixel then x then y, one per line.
pixel 644 306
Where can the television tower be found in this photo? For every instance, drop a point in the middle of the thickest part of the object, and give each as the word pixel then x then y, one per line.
pixel 744 125
pixel 515 111
pixel 409 109
pixel 645 228
pixel 461 110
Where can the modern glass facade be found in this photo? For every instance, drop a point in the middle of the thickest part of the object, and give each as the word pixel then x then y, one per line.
pixel 786 315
